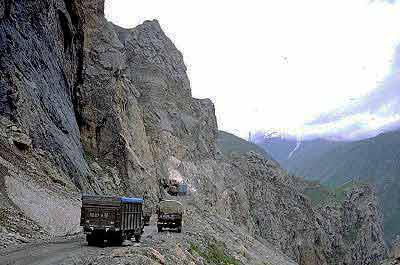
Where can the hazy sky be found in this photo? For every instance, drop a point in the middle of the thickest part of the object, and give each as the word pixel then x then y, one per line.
pixel 307 67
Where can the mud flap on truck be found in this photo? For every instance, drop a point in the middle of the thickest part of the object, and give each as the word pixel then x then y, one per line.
pixel 103 238
pixel 177 225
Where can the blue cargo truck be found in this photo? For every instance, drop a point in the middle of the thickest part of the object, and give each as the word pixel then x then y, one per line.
pixel 111 219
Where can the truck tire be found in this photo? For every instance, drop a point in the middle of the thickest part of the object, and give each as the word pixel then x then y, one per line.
pixel 116 239
pixel 137 238
pixel 90 240
pixel 179 228
pixel 98 238
pixel 159 228
pixel 95 239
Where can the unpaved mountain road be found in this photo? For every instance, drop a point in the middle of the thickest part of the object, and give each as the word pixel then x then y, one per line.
pixel 75 250
pixel 46 253
pixel 65 251
pixel 169 247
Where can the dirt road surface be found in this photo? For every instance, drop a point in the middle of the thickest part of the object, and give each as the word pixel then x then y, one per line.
pixel 70 251
pixel 57 252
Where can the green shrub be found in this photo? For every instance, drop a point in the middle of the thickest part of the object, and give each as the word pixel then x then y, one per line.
pixel 213 254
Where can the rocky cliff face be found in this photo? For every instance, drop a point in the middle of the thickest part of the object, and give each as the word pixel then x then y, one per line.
pixel 135 106
pixel 40 51
pixel 354 228
pixel 259 196
pixel 88 106
pixel 394 256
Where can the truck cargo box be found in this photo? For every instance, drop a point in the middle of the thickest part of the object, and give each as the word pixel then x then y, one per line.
pixel 111 217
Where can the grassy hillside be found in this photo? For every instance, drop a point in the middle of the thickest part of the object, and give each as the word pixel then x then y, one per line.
pixel 308 152
pixel 229 143
pixel 321 195
pixel 375 160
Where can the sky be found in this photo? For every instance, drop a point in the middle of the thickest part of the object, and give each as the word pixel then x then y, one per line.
pixel 310 68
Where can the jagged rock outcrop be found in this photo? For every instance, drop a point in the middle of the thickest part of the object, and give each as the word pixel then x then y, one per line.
pixel 395 251
pixel 258 195
pixel 362 226
pixel 88 106
pixel 394 257
pixel 354 228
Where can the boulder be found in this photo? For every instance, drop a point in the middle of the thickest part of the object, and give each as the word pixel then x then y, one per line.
pixel 21 140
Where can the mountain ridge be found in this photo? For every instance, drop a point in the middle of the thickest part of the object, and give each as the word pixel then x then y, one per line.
pixel 374 160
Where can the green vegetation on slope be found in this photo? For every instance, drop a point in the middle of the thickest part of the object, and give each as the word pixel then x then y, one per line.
pixel 213 254
pixel 321 195
pixel 375 160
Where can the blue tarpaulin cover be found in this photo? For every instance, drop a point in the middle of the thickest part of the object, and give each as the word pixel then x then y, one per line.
pixel 183 188
pixel 132 200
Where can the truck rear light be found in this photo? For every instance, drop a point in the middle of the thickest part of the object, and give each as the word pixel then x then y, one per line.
pixel 112 223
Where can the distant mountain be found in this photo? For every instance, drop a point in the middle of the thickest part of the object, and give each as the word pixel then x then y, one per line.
pixel 375 160
pixel 278 147
pixel 292 158
pixel 229 143
pixel 307 153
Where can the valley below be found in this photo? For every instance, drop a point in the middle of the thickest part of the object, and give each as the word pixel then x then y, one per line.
pixel 337 165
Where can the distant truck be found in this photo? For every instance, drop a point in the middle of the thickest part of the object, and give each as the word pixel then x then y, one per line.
pixel 182 189
pixel 147 212
pixel 175 188
pixel 173 185
pixel 111 218
pixel 170 214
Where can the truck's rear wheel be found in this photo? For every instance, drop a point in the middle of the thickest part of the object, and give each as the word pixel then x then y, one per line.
pixel 159 228
pixel 179 229
pixel 98 237
pixel 95 239
pixel 91 240
pixel 116 239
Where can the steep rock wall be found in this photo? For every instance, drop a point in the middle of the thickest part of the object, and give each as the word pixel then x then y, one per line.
pixel 135 106
pixel 40 51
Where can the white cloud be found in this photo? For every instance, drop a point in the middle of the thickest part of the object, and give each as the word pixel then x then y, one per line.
pixel 275 64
